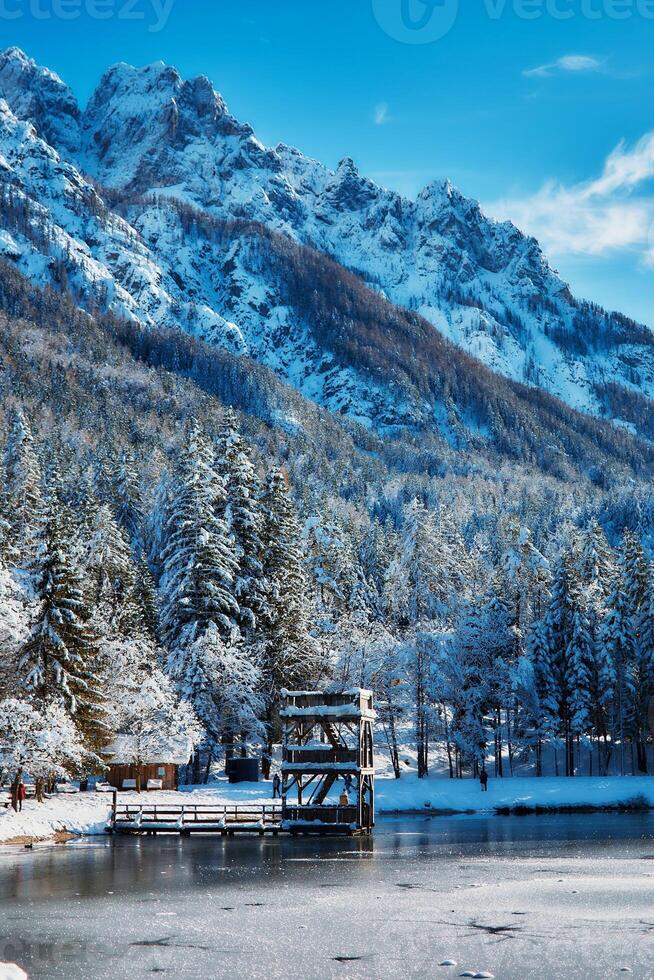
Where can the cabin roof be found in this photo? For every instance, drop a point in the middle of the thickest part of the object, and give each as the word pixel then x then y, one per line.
pixel 124 750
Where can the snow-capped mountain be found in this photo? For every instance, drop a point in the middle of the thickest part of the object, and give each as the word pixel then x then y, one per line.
pixel 169 172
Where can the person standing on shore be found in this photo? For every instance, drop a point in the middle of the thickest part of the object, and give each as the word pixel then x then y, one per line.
pixel 21 796
pixel 483 779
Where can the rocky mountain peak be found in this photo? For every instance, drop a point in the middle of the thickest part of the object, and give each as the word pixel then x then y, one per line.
pixel 36 94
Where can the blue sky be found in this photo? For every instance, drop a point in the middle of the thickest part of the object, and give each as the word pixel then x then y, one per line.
pixel 540 109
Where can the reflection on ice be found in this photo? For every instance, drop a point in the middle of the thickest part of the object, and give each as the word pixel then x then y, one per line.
pixel 420 897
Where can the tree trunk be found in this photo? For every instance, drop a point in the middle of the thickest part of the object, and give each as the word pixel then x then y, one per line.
pixel 448 743
pixel 207 768
pixel 391 738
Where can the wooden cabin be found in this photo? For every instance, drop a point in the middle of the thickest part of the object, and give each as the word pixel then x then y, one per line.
pixel 132 768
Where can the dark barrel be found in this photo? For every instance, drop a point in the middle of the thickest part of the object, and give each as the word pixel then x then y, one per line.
pixel 243 770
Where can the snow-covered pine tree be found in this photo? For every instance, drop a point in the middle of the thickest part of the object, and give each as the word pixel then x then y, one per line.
pixel 637 585
pixel 594 564
pixel 9 553
pixel 289 655
pixel 594 569
pixel 245 521
pixel 643 679
pixel 127 501
pixel 580 657
pixel 539 653
pixel 219 679
pixel 199 565
pixel 526 578
pixel 155 527
pixel 557 636
pixel 415 589
pixel 59 658
pixel 112 576
pixel 497 653
pixel 23 485
pixel 616 643
pixel 14 625
pixel 332 563
pixel 145 597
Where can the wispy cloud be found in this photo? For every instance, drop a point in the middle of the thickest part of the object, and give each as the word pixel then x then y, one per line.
pixel 381 114
pixel 610 213
pixel 569 63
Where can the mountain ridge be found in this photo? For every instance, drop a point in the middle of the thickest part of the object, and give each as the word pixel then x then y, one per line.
pixel 148 136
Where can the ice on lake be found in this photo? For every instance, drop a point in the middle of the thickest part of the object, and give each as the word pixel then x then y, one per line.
pixel 553 896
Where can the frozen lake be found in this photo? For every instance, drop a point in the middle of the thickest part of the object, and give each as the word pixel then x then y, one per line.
pixel 518 897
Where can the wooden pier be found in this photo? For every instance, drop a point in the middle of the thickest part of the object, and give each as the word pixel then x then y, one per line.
pixel 196 818
pixel 328 778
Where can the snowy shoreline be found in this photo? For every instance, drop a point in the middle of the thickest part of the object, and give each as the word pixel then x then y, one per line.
pixel 522 794
pixel 86 814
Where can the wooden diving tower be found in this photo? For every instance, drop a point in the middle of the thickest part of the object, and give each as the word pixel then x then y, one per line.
pixel 327 752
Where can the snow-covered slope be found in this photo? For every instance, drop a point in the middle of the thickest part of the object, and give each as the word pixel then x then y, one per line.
pixel 147 132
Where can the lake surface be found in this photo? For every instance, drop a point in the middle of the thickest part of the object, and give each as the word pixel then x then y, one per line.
pixel 518 897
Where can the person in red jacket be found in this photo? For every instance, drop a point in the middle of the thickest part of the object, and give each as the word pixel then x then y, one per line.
pixel 21 795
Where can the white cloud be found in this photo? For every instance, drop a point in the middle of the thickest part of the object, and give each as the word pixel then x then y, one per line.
pixel 381 114
pixel 571 63
pixel 609 213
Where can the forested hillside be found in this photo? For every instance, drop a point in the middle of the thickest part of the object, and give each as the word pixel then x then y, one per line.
pixel 183 535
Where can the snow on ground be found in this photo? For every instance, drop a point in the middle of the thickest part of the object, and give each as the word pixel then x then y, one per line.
pixel 9 971
pixel 461 795
pixel 86 813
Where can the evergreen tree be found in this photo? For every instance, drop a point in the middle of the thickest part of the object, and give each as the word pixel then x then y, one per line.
pixel 559 650
pixel 112 576
pixel 417 582
pixel 221 682
pixel 635 587
pixel 244 519
pixel 23 485
pixel 580 657
pixel 289 656
pixel 58 660
pixel 199 566
pixel 127 498
pixel 145 597
pixel 643 672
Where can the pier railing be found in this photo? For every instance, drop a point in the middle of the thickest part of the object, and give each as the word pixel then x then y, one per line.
pixel 190 818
